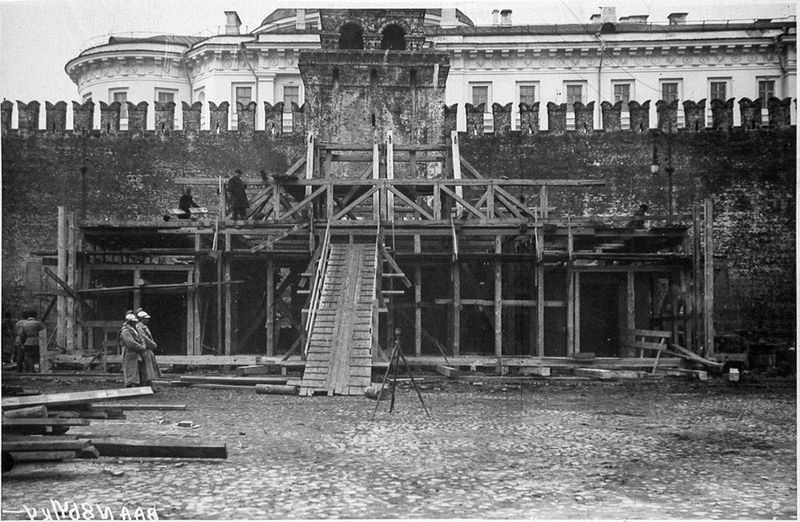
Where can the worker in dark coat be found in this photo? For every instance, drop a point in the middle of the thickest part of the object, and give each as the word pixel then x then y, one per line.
pixel 28 339
pixel 132 349
pixel 237 197
pixel 186 203
pixel 150 366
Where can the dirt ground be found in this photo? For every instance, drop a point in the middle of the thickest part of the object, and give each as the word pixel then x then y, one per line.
pixel 542 448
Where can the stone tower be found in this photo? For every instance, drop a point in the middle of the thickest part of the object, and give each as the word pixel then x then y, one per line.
pixel 373 75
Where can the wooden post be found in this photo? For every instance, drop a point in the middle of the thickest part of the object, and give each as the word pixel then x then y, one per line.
pixel 189 312
pixel 417 299
pixel 389 174
pixel 490 201
pixel 376 174
pixel 61 303
pixel 696 271
pixel 71 279
pixel 543 201
pixel 577 325
pixel 687 324
pixel 498 297
pixel 220 312
pixel 195 347
pixel 229 327
pixel 456 271
pixel 270 326
pixel 459 190
pixel 137 294
pixel 44 354
pixel 437 201
pixel 309 160
pixel 708 286
pixel 540 309
pixel 276 201
pixel 631 300
pixel 570 309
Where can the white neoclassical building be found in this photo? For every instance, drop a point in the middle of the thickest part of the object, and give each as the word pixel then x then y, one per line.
pixel 610 57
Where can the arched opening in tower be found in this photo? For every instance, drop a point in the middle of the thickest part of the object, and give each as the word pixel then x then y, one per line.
pixel 351 36
pixel 394 38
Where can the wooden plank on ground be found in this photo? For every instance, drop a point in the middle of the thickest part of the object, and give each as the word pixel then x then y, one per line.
pixel 44 444
pixel 51 421
pixel 598 373
pixel 239 381
pixel 33 412
pixel 447 371
pixel 253 369
pixel 42 456
pixel 277 389
pixel 75 397
pixel 154 407
pixel 113 447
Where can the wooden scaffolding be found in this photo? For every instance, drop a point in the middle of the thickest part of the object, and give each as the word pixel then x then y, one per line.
pixel 429 218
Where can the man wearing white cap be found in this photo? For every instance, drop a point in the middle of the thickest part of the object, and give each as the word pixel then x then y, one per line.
pixel 133 349
pixel 150 366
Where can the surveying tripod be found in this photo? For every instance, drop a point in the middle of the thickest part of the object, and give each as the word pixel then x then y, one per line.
pixel 394 367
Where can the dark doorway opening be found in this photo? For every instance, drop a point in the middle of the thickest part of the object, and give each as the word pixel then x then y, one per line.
pixel 600 314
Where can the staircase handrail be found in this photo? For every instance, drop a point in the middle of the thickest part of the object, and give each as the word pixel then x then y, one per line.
pixel 319 277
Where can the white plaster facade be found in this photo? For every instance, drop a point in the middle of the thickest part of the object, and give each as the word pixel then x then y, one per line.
pixel 626 58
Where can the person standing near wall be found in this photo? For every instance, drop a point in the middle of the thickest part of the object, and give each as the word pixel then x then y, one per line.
pixel 133 349
pixel 237 196
pixel 150 366
pixel 28 339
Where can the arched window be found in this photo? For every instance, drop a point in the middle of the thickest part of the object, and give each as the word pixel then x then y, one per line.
pixel 351 37
pixel 394 38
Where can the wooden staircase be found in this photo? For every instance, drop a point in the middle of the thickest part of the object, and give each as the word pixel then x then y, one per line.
pixel 339 355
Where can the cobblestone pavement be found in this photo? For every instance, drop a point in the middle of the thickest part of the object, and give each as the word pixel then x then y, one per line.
pixel 670 449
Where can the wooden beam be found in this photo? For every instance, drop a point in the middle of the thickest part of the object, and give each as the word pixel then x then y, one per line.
pixel 630 321
pixel 72 293
pixel 61 330
pixel 144 407
pixel 456 271
pixel 270 308
pixel 45 444
pixel 42 422
pixel 71 281
pixel 540 309
pixel 417 299
pixel 472 170
pixel 113 447
pixel 239 381
pixel 389 174
pixel 376 174
pixel 309 160
pixel 498 298
pixel 53 399
pixel 708 286
pixel 696 276
pixel 456 169
pixel 577 311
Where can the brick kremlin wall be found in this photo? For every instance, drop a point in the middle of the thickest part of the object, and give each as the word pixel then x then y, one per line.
pixel 749 175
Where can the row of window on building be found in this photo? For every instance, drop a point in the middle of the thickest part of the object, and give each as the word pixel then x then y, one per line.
pixel 622 91
pixel 671 90
pixel 480 93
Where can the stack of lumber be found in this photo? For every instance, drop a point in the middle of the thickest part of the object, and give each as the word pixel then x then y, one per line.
pixel 34 428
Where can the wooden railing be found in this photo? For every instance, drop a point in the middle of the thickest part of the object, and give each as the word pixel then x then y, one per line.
pixel 316 289
pixel 482 200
